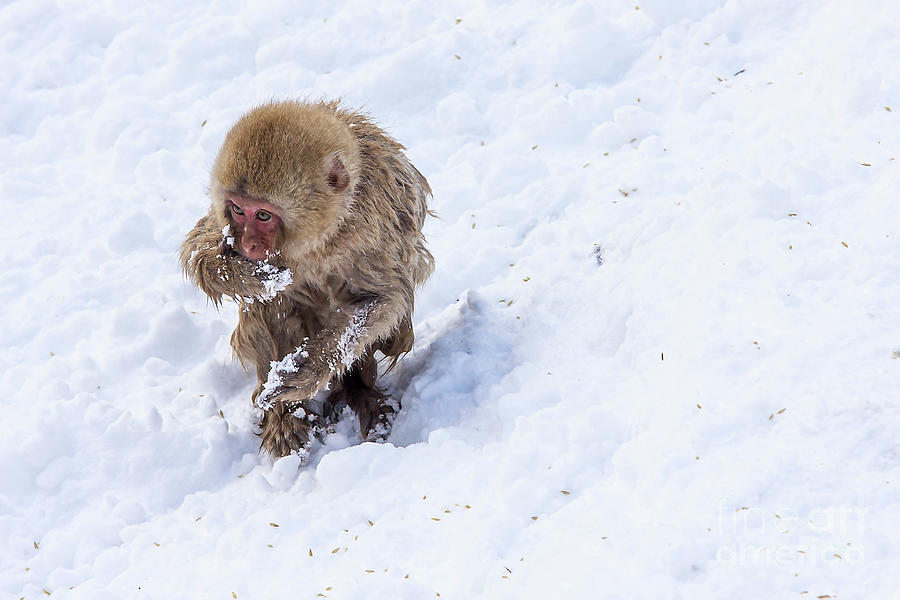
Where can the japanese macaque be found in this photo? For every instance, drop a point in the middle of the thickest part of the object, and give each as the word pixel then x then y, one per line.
pixel 315 231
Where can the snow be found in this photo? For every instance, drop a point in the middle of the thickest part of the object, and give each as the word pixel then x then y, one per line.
pixel 657 357
pixel 274 279
pixel 226 234
pixel 350 336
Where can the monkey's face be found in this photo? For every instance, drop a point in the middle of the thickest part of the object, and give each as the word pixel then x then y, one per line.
pixel 257 226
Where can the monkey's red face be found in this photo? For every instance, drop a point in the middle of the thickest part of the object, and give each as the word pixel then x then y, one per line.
pixel 258 225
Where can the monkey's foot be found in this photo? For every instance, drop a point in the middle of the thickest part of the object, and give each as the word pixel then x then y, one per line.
pixel 285 431
pixel 376 412
pixel 380 423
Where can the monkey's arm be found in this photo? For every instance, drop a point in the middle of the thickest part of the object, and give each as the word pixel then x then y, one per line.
pixel 209 261
pixel 350 333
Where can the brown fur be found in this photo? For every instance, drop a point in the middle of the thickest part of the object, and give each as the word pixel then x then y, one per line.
pixel 352 207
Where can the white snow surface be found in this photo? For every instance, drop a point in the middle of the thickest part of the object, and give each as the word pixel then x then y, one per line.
pixel 658 357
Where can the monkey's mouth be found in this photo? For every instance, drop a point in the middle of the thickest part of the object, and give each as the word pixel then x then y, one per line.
pixel 274 259
pixel 260 254
pixel 261 259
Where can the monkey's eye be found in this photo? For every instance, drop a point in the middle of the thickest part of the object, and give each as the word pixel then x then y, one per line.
pixel 237 209
pixel 263 215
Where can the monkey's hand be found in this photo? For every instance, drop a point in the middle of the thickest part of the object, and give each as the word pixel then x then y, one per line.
pixel 208 258
pixel 293 379
pixel 285 431
pixel 288 421
pixel 274 279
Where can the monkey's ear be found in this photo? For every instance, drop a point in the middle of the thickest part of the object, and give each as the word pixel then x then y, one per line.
pixel 336 175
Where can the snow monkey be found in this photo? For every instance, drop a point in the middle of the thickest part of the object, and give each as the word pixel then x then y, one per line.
pixel 315 231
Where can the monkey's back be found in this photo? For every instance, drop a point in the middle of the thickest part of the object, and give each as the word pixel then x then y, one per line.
pixel 392 194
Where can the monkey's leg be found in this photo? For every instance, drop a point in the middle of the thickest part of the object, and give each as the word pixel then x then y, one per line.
pixel 373 408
